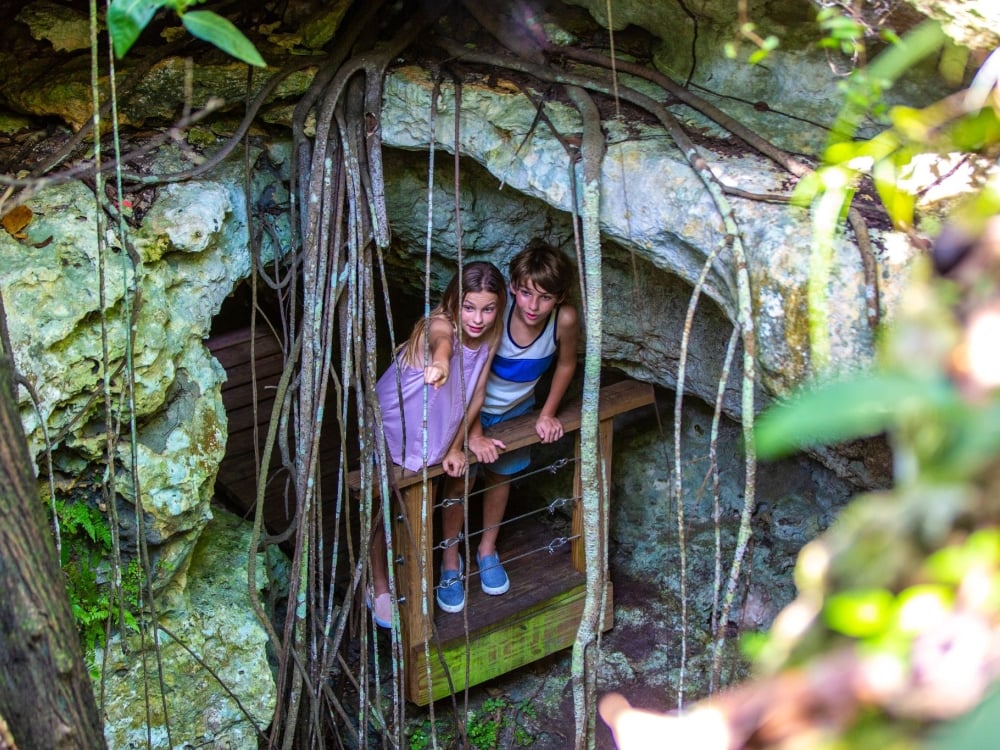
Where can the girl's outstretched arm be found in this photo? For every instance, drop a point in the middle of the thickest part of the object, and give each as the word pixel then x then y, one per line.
pixel 440 349
pixel 455 461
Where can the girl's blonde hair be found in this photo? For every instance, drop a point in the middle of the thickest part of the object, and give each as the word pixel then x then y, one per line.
pixel 478 276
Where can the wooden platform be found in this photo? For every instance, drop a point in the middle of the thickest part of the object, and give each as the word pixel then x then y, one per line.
pixel 538 617
pixel 236 483
pixel 540 614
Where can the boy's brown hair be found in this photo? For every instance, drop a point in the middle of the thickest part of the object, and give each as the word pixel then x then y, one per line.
pixel 544 266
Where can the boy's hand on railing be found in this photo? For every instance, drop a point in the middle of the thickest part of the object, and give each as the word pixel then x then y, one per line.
pixel 487 449
pixel 549 429
pixel 436 374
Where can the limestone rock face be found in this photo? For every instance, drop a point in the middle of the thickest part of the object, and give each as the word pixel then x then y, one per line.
pixel 644 302
pixel 66 28
pixel 222 643
pixel 791 94
pixel 795 500
pixel 655 208
pixel 973 23
pixel 183 261
pixel 90 325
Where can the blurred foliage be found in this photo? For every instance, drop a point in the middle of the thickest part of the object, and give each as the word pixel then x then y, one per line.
pixel 907 579
pixel 128 18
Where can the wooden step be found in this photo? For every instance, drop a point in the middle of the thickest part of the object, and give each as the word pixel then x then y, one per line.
pixel 538 616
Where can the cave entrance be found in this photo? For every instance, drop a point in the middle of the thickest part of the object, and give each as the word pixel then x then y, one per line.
pixel 544 550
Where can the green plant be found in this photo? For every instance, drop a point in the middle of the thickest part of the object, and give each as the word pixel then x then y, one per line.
pixel 81 518
pixel 483 731
pixel 419 739
pixel 128 18
pixel 904 572
pixel 86 545
pixel 498 718
pixel 765 45
pixel 842 32
pixel 495 724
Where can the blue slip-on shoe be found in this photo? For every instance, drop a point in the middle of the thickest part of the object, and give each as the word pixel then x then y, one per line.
pixel 451 591
pixel 492 576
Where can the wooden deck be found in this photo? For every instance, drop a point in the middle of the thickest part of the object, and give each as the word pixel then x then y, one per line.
pixel 237 479
pixel 537 617
pixel 236 483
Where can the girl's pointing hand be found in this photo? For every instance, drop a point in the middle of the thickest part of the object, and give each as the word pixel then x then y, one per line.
pixel 436 374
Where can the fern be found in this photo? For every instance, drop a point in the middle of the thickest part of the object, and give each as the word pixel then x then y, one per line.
pixel 86 544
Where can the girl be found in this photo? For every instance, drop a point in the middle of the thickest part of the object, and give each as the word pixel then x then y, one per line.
pixel 454 361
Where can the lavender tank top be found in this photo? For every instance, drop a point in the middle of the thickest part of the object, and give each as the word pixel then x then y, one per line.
pixel 446 407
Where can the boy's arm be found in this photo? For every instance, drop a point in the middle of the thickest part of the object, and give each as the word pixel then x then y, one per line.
pixel 486 449
pixel 548 427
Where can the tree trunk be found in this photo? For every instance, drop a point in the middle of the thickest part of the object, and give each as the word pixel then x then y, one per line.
pixel 46 696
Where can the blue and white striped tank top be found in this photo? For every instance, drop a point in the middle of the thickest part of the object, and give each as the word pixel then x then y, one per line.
pixel 516 368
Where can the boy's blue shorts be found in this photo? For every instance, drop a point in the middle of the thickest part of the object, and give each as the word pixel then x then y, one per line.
pixel 509 462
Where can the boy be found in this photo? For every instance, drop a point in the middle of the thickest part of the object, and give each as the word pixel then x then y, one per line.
pixel 538 330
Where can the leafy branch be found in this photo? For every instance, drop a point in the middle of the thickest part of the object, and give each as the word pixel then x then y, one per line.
pixel 128 18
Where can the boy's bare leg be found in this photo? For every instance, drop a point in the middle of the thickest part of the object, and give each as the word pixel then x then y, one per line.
pixel 452 520
pixel 494 506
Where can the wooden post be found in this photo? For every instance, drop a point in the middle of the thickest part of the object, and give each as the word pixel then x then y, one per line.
pixel 415 541
pixel 46 697
pixel 605 436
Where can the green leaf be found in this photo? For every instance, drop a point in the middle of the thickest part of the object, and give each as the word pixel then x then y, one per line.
pixel 890 36
pixel 898 201
pixel 181 6
pixel 976 132
pixel 216 30
pixel 952 564
pixel 859 613
pixel 843 152
pixel 891 63
pixel 841 410
pixel 976 441
pixel 808 187
pixel 912 123
pixel 752 645
pixel 126 20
